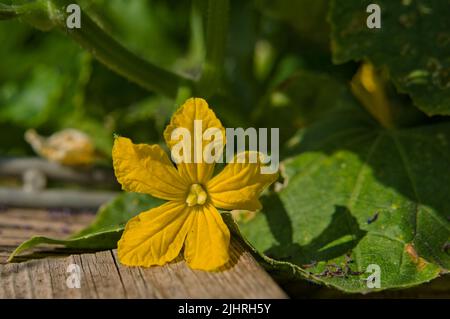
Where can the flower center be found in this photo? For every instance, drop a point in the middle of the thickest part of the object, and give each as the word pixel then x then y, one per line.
pixel 196 196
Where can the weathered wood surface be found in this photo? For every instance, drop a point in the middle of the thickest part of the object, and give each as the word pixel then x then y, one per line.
pixel 79 199
pixel 102 276
pixel 18 166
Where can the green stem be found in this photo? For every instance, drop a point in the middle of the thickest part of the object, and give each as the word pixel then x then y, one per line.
pixel 122 61
pixel 103 47
pixel 216 41
pixel 197 40
pixel 7 12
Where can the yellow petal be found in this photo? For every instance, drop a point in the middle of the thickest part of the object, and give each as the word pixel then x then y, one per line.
pixel 239 185
pixel 208 241
pixel 146 169
pixel 155 237
pixel 194 109
pixel 369 87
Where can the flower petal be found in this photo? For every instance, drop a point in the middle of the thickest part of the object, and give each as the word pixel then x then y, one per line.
pixel 239 185
pixel 146 169
pixel 155 237
pixel 208 242
pixel 194 109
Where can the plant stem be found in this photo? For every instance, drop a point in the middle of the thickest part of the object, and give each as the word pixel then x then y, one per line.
pixel 197 40
pixel 7 12
pixel 216 41
pixel 125 63
pixel 48 14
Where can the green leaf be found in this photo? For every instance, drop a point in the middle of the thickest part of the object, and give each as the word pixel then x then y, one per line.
pixel 33 103
pixel 413 43
pixel 100 240
pixel 307 18
pixel 106 229
pixel 119 211
pixel 357 191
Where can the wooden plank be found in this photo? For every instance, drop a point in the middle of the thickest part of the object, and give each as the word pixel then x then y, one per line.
pixel 102 276
pixel 54 198
pixel 17 166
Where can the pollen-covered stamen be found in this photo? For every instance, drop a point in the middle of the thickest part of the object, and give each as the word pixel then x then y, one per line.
pixel 196 196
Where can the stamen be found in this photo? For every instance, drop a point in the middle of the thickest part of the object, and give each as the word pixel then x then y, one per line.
pixel 196 196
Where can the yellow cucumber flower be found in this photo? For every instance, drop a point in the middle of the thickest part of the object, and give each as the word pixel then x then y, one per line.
pixel 189 219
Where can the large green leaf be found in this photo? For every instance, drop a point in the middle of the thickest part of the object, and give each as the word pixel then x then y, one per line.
pixel 360 192
pixel 413 43
pixel 106 229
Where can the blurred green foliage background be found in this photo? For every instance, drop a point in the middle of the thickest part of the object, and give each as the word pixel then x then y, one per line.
pixel 274 57
pixel 278 72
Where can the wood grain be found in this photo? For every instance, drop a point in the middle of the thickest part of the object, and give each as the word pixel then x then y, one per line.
pixel 53 198
pixel 17 166
pixel 102 276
